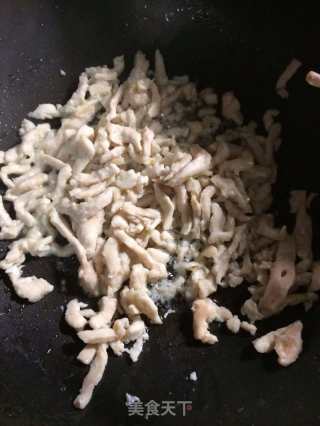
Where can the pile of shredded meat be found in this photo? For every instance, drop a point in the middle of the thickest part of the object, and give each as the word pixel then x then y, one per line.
pixel 159 189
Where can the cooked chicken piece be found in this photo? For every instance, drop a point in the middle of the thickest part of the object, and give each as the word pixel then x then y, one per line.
pixel 183 207
pixel 74 316
pixel 303 227
pixel 206 209
pixel 167 207
pixel 231 108
pixel 268 118
pixel 251 310
pixel 117 268
pixel 313 78
pixel 97 336
pixel 45 111
pixel 157 270
pixel 200 163
pixel 87 354
pixel 137 301
pixel 93 378
pixel 282 277
pixel 87 274
pixel 284 78
pixel 107 309
pixel 89 231
pixel 204 312
pixel 31 288
pixel 160 69
pixel 229 190
pixel 286 341
pixel 220 231
pixel 10 229
pixel 250 328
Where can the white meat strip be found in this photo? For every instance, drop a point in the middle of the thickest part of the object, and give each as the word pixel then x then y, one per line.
pixel 167 207
pixel 120 135
pixel 288 73
pixel 161 76
pixel 87 274
pixel 97 336
pixel 220 231
pixel 10 229
pixel 231 108
pixel 303 226
pixel 87 354
pixel 204 312
pixel 282 277
pixel 183 207
pixel 45 111
pixel 157 270
pixel 201 161
pixel 137 301
pixel 313 78
pixel 286 341
pixel 205 201
pixel 116 272
pixel 138 277
pixel 74 316
pixel 229 190
pixel 93 377
pixel 107 309
pixel 31 288
pixel 89 231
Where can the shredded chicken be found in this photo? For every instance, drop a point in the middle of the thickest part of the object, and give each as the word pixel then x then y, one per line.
pixel 287 74
pixel 286 341
pixel 158 195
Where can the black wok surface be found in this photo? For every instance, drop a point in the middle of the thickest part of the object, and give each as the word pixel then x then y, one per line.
pixel 230 45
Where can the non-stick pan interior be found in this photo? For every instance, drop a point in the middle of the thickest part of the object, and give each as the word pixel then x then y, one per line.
pixel 242 46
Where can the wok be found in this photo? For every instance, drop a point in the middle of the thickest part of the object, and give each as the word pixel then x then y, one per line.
pixel 242 46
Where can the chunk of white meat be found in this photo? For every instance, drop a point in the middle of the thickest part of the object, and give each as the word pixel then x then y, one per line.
pixel 229 190
pixel 87 274
pixel 116 266
pixel 220 228
pixel 10 229
pixel 282 277
pixel 157 270
pixel 303 227
pixel 107 309
pixel 137 301
pixel 205 201
pixel 204 312
pixel 313 78
pixel 287 74
pixel 287 343
pixel 87 354
pixel 161 76
pixel 74 316
pixel 183 207
pixel 45 112
pixel 79 150
pixel 200 163
pixel 167 207
pixel 231 108
pixel 31 288
pixel 93 377
pixel 89 231
pixel 97 336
